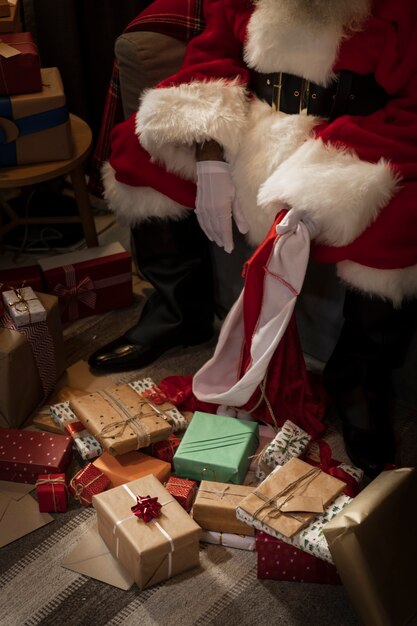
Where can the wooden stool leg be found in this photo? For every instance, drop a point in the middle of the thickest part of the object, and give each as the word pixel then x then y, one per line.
pixel 84 206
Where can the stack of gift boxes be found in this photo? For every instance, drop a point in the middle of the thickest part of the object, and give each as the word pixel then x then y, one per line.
pixel 162 482
pixel 35 302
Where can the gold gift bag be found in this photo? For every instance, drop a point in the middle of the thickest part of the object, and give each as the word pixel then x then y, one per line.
pixel 373 545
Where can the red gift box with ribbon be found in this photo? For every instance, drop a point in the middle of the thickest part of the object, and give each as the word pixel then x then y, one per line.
pixel 24 454
pixel 89 281
pixel 278 560
pixel 20 67
pixel 52 493
pixel 88 482
pixel 165 450
pixel 183 490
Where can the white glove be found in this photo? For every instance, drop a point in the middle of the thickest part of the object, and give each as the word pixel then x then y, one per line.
pixel 216 203
pixel 291 221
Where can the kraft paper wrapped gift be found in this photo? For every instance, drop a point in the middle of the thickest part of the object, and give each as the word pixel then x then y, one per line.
pixel 23 306
pixel 215 507
pixel 289 498
pixel 120 419
pixel 154 550
pixel 127 467
pixel 20 68
pixel 150 390
pixel 24 454
pixel 38 352
pixel 36 126
pixel 89 281
pixel 10 22
pixel 277 560
pixel 374 547
pixel 216 447
pixel 4 8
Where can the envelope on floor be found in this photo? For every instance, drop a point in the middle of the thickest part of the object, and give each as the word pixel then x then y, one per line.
pixel 19 516
pixel 92 558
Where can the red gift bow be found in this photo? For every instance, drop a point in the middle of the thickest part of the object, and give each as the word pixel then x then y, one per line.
pixel 155 395
pixel 72 292
pixel 146 508
pixel 330 466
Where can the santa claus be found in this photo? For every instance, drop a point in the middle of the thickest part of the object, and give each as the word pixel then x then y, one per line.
pixel 303 105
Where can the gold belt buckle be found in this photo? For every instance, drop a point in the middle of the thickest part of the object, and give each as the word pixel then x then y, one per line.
pixel 276 93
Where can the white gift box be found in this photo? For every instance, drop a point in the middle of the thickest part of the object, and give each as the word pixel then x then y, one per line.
pixel 24 306
pixel 290 442
pixel 86 445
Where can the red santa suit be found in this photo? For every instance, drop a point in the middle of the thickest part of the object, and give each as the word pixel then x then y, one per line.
pixel 355 176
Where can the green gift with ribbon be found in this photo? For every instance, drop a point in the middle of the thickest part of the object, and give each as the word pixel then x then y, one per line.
pixel 217 448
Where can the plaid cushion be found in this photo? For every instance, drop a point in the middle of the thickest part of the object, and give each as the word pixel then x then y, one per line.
pixel 175 18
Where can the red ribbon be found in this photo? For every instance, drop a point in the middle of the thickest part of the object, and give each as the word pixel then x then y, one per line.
pixel 83 291
pixel 155 395
pixel 332 467
pixel 146 508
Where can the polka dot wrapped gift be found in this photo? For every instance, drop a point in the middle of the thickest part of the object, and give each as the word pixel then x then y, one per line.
pixel 24 454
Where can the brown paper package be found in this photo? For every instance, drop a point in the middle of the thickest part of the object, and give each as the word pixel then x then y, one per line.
pixel 18 367
pixel 321 486
pixel 215 507
pixel 10 21
pixel 373 545
pixel 143 548
pixel 50 144
pixel 99 415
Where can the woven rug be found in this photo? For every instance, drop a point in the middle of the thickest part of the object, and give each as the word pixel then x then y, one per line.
pixel 224 590
pixel 36 589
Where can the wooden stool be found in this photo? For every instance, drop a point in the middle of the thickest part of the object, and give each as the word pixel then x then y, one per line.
pixel 23 175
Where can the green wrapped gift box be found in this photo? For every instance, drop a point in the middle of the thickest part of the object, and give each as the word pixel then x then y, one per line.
pixel 217 448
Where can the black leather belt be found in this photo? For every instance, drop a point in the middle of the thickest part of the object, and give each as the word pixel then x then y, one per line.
pixel 348 94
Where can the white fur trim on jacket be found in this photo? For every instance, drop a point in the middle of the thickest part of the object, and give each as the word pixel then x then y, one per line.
pixel 341 193
pixel 171 120
pixel 395 285
pixel 132 205
pixel 277 41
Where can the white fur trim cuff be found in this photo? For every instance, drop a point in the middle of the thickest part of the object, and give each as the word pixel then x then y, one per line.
pixel 171 120
pixel 395 285
pixel 133 205
pixel 341 193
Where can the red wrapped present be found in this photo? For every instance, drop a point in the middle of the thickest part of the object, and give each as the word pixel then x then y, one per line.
pixel 89 281
pixel 278 560
pixel 52 493
pixel 183 490
pixel 321 455
pixel 24 454
pixel 88 482
pixel 165 450
pixel 20 68
pixel 30 276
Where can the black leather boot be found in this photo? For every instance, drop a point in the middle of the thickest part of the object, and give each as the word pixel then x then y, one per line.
pixel 174 257
pixel 357 376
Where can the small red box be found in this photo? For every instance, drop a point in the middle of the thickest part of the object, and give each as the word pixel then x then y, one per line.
pixel 88 482
pixel 278 560
pixel 20 67
pixel 165 450
pixel 183 490
pixel 52 494
pixel 30 276
pixel 26 453
pixel 89 281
